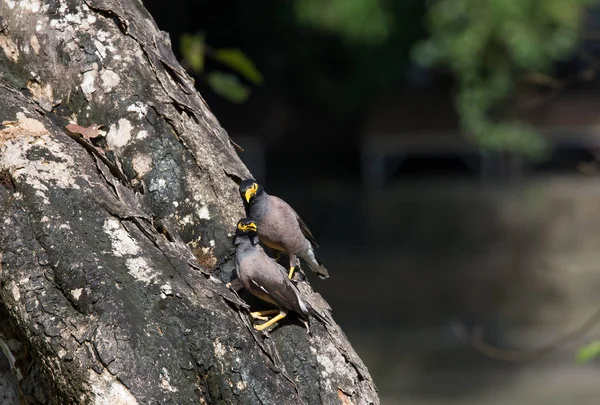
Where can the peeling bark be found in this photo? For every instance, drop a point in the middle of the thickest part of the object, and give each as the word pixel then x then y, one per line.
pixel 114 251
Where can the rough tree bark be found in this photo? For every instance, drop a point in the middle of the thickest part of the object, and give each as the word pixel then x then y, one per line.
pixel 115 249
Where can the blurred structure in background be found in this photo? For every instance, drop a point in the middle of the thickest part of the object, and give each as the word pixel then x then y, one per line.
pixel 445 154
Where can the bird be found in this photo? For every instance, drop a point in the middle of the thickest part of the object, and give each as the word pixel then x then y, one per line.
pixel 280 227
pixel 266 279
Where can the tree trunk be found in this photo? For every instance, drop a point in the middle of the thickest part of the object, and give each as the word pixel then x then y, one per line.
pixel 115 249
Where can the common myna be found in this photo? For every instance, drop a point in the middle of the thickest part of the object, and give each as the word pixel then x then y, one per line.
pixel 280 227
pixel 266 279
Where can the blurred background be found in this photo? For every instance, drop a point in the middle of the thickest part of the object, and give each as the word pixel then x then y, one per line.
pixel 445 154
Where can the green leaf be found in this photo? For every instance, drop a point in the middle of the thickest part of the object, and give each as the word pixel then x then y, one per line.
pixel 228 86
pixel 426 53
pixel 237 60
pixel 192 49
pixel 364 21
pixel 588 352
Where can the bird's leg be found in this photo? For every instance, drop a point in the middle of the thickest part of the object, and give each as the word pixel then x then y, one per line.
pixel 262 326
pixel 306 326
pixel 261 314
pixel 293 263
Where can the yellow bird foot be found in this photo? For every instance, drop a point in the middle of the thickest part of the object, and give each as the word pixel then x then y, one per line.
pixel 260 315
pixel 270 322
pixel 291 273
pixel 256 315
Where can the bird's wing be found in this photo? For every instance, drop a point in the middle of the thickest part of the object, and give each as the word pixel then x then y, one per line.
pixel 284 206
pixel 283 291
pixel 272 279
pixel 306 232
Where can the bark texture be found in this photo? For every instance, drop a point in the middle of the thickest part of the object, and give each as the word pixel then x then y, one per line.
pixel 115 249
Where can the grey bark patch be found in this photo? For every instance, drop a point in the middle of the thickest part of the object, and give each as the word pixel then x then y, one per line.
pixel 40 153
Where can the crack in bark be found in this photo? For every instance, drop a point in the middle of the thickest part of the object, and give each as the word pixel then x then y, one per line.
pixel 236 179
pixel 100 361
pixel 260 401
pixel 66 296
pixel 109 14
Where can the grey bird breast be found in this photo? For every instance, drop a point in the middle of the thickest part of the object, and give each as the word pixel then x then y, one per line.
pixel 247 266
pixel 279 229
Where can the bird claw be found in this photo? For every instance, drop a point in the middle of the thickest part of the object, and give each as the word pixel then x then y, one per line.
pixel 257 315
pixel 261 328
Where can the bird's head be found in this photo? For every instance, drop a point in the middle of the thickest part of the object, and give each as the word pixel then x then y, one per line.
pixel 250 189
pixel 246 227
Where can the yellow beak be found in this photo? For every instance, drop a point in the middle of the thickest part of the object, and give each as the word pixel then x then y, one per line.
pixel 248 195
pixel 247 227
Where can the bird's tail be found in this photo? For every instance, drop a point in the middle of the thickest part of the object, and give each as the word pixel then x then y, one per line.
pixel 315 264
pixel 317 314
pixel 307 309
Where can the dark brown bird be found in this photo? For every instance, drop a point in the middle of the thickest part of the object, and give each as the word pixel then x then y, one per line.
pixel 280 227
pixel 266 279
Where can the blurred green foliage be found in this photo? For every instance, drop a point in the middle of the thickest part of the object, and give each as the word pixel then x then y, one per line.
pixel 350 53
pixel 341 55
pixel 228 86
pixel 336 56
pixel 194 50
pixel 588 352
pixel 488 46
pixel 237 60
pixel 359 20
